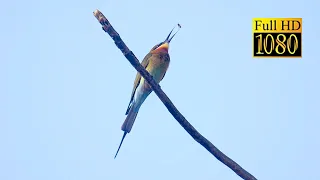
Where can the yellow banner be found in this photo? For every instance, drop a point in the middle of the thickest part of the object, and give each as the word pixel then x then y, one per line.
pixel 289 25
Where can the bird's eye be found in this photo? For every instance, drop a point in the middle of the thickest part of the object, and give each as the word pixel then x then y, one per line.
pixel 159 45
pixel 156 46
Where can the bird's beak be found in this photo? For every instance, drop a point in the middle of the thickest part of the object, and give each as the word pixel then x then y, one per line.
pixel 165 44
pixel 168 39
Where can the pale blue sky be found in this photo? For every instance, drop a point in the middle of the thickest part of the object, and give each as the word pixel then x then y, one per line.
pixel 66 87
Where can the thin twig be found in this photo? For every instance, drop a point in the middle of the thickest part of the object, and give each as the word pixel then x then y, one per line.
pixel 107 27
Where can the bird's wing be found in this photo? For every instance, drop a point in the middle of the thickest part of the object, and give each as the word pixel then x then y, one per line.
pixel 144 63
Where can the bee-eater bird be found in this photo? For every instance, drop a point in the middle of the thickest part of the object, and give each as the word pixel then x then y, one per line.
pixel 156 62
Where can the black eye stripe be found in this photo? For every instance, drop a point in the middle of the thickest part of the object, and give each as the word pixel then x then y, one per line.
pixel 156 46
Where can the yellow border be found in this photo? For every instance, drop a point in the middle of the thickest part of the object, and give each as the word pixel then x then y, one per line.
pixel 275 32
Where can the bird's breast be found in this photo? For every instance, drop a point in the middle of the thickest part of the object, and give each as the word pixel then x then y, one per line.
pixel 158 66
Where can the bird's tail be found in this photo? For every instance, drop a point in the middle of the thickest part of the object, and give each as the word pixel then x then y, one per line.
pixel 128 123
pixel 131 117
pixel 124 135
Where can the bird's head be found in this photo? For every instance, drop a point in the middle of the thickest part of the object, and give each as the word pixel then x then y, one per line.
pixel 164 46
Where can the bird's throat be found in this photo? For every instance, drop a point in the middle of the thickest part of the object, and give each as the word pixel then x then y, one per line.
pixel 160 49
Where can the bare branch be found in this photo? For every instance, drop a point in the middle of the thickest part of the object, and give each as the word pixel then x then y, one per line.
pixel 107 27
